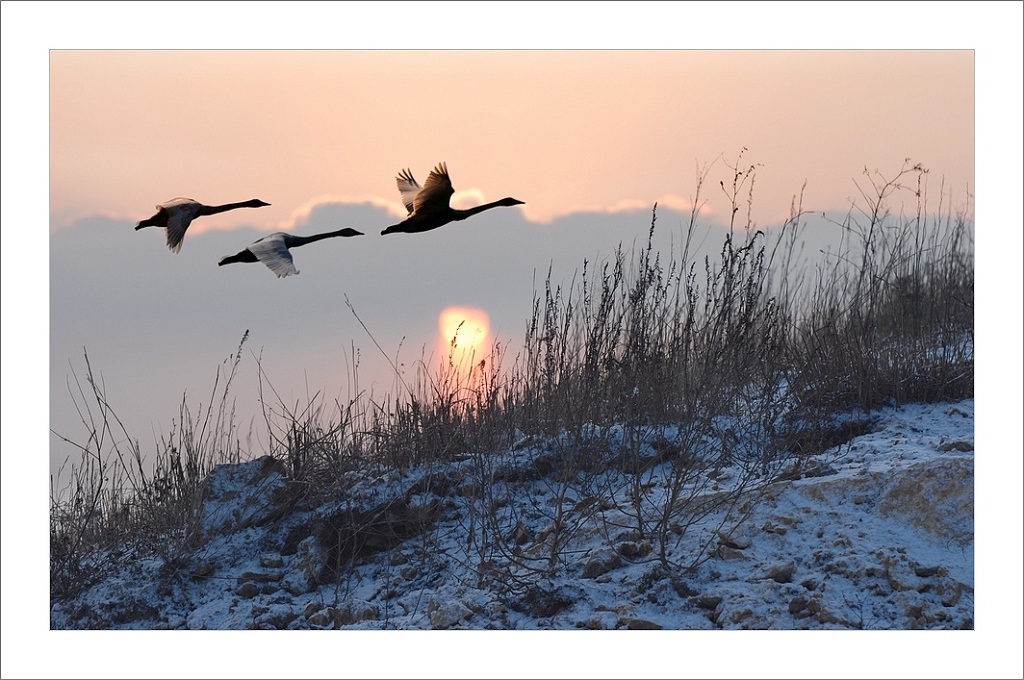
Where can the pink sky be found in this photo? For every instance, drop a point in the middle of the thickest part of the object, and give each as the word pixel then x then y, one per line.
pixel 564 130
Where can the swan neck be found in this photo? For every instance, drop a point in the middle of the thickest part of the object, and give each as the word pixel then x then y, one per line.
pixel 214 209
pixel 469 212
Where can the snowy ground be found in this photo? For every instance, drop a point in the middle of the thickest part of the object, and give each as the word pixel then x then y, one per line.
pixel 875 534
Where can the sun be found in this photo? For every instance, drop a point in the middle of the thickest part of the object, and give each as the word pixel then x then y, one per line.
pixel 464 332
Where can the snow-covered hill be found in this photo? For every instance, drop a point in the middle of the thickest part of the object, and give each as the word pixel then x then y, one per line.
pixel 877 533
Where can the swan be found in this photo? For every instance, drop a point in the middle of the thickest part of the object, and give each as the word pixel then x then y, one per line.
pixel 428 206
pixel 177 214
pixel 273 250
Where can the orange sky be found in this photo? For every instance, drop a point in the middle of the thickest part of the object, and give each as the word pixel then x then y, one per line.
pixel 563 130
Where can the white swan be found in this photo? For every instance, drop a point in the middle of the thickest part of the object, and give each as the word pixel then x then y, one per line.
pixel 272 250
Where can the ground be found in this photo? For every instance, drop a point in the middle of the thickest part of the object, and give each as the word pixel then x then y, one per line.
pixel 876 533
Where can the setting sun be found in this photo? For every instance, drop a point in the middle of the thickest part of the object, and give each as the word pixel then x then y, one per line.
pixel 465 331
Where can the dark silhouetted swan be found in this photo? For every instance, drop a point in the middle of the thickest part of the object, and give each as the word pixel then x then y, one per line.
pixel 272 250
pixel 176 214
pixel 428 207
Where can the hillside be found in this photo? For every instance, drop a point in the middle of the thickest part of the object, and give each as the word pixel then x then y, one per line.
pixel 875 532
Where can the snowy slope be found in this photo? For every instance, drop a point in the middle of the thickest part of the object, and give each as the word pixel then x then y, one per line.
pixel 875 534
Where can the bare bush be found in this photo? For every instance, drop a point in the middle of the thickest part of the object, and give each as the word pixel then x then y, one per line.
pixel 120 500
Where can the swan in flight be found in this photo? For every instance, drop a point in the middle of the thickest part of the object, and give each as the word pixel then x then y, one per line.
pixel 428 206
pixel 177 214
pixel 273 250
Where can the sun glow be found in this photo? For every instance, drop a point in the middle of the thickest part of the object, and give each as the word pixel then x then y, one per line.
pixel 464 333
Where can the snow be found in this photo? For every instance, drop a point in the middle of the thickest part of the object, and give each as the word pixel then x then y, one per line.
pixel 875 534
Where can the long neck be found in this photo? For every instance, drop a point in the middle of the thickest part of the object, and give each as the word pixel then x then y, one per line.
pixel 295 241
pixel 463 214
pixel 214 209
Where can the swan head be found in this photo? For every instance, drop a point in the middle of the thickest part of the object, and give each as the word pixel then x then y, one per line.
pixel 256 203
pixel 508 202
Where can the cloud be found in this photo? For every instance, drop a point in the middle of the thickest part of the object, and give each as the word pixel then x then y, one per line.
pixel 301 215
pixel 469 198
pixel 626 205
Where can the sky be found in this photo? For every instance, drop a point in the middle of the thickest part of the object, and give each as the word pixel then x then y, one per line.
pixel 589 117
pixel 583 137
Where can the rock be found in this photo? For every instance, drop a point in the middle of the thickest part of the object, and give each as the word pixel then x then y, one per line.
pixel 901 578
pixel 446 613
pixel 204 568
pixel 818 470
pixel 601 563
pixel 319 620
pixel 247 590
pixel 727 553
pixel 782 573
pixel 798 607
pixel 950 591
pixel 738 542
pixel 741 615
pixel 296 584
pixel 271 561
pixel 604 621
pixel 707 601
pixel 640 624
pixel 259 577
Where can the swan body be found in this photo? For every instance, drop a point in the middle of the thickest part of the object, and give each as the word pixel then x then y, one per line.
pixel 428 206
pixel 177 214
pixel 273 250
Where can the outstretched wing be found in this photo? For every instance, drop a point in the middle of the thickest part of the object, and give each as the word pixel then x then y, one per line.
pixel 180 213
pixel 271 251
pixel 437 191
pixel 408 187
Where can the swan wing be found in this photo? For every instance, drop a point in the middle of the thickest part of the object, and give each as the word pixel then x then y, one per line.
pixel 271 251
pixel 178 202
pixel 408 188
pixel 180 213
pixel 437 191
